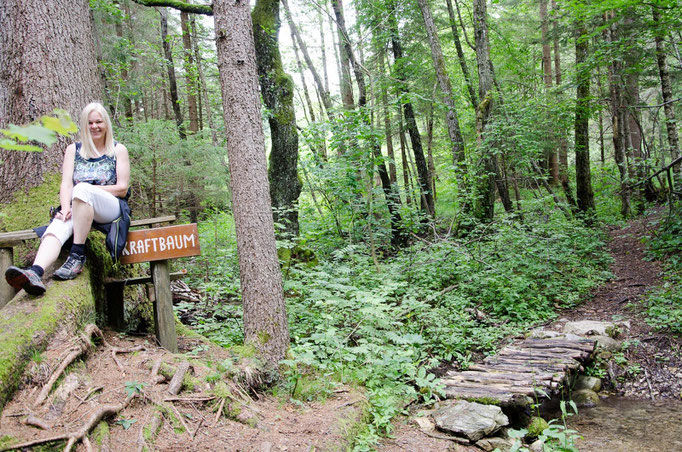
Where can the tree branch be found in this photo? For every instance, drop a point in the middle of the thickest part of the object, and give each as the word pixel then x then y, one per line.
pixel 206 10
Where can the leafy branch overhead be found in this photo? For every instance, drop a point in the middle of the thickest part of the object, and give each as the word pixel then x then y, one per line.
pixel 43 131
pixel 179 5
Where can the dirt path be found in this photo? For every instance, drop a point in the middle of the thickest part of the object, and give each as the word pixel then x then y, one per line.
pixel 653 360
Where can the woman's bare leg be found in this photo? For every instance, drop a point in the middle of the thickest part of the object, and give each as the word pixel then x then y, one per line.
pixel 48 252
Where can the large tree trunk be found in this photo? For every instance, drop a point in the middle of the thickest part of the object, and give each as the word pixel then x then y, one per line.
pixel 265 322
pixel 582 116
pixel 277 90
pixel 452 121
pixel 344 55
pixel 387 119
pixel 40 46
pixel 485 208
pixel 427 204
pixel 666 91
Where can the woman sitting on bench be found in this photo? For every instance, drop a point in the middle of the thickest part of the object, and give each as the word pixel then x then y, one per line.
pixel 95 174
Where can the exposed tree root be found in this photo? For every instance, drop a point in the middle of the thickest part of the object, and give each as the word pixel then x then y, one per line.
pixel 84 345
pixel 80 435
pixel 116 350
pixel 35 421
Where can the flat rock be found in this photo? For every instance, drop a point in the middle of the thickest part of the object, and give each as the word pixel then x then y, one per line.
pixel 470 420
pixel 585 398
pixel 588 328
pixel 586 382
pixel 493 443
pixel 608 343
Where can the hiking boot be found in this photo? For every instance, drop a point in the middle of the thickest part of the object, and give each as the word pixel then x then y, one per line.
pixel 25 279
pixel 72 267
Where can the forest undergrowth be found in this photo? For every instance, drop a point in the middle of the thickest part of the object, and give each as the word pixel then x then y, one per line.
pixel 388 325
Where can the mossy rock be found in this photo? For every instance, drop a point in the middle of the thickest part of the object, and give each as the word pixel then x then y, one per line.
pixel 297 254
pixel 536 427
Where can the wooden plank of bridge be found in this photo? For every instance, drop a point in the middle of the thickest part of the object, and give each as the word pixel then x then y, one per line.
pixel 529 369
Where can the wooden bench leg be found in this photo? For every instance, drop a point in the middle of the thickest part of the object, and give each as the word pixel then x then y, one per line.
pixel 7 292
pixel 164 319
pixel 115 313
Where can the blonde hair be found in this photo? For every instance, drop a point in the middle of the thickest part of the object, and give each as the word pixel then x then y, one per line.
pixel 88 149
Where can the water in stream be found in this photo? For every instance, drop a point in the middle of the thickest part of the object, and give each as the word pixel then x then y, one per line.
pixel 626 425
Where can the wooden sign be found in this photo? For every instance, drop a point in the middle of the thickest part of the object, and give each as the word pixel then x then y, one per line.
pixel 158 244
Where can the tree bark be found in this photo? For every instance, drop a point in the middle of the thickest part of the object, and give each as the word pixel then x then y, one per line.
pixel 454 132
pixel 387 119
pixel 344 55
pixel 40 46
pixel 265 322
pixel 582 116
pixel 485 208
pixel 277 90
pixel 666 91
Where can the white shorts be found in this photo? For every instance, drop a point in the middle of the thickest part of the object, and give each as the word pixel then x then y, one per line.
pixel 105 205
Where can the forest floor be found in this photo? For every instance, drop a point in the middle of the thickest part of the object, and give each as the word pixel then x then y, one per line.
pixel 265 422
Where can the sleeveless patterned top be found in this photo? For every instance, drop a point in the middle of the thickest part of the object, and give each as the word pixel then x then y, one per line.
pixel 97 171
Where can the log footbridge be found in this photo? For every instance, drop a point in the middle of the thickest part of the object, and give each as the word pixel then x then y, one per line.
pixel 522 373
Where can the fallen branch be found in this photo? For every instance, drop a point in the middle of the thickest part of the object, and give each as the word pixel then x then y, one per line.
pixel 220 410
pixel 35 421
pixel 176 383
pixel 182 421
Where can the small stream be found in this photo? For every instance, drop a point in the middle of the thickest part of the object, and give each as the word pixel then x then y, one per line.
pixel 627 425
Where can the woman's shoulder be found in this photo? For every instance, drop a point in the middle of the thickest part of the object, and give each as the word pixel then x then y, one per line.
pixel 119 147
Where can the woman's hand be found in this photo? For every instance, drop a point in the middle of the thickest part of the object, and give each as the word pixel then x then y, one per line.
pixel 64 214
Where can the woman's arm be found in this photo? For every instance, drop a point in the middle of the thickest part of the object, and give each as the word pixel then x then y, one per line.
pixel 120 189
pixel 66 187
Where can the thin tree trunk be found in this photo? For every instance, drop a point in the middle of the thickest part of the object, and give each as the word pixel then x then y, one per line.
pixel 204 90
pixel 190 78
pixel 666 91
pixel 454 132
pixel 387 119
pixel 410 121
pixel 461 57
pixel 345 67
pixel 550 153
pixel 324 93
pixel 398 237
pixel 170 68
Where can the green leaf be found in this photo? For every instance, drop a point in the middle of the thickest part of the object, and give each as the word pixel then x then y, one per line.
pixel 12 145
pixel 126 423
pixel 32 132
pixel 133 387
pixel 61 122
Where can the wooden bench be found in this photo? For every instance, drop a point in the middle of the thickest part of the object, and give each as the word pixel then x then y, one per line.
pixel 156 246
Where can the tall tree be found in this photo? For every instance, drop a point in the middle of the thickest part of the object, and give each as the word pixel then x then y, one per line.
pixel 427 204
pixel 550 154
pixel 666 88
pixel 583 175
pixel 265 321
pixel 452 120
pixel 461 57
pixel 277 90
pixel 170 70
pixel 486 187
pixel 190 72
pixel 46 62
